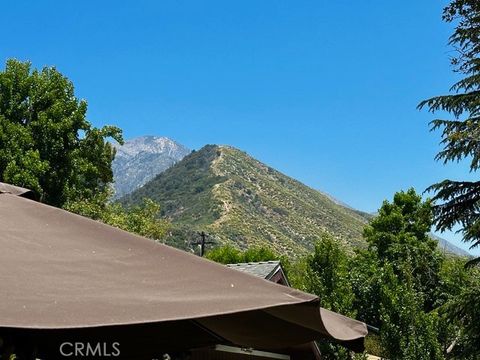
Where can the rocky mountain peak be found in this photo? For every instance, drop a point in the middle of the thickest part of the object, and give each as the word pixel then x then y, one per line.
pixel 140 159
pixel 151 145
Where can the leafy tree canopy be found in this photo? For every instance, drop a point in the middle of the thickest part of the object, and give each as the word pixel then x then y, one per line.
pixel 46 142
pixel 327 276
pixel 394 280
pixel 142 219
pixel 399 235
pixel 457 294
pixel 230 255
pixel 464 311
pixel 407 332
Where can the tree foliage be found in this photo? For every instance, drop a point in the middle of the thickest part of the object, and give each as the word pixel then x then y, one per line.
pixel 141 219
pixel 228 254
pixel 365 279
pixel 458 328
pixel 406 331
pixel 399 235
pixel 327 276
pixel 395 278
pixel 46 142
pixel 465 312
pixel 458 201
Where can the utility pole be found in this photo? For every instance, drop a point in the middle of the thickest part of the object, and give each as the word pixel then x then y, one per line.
pixel 203 242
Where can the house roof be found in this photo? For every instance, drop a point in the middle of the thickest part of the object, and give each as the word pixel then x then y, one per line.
pixel 262 269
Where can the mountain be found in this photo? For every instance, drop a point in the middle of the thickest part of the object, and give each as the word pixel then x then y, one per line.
pixel 364 214
pixel 448 247
pixel 237 199
pixel 140 159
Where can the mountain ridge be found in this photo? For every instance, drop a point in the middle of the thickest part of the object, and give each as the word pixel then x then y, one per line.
pixel 244 202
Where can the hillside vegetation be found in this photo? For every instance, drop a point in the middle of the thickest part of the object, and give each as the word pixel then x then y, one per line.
pixel 239 200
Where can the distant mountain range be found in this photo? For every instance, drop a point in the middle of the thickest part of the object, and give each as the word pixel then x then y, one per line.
pixel 238 200
pixel 448 247
pixel 139 160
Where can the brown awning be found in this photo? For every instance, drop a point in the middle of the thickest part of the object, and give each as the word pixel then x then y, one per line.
pixel 64 276
pixel 17 190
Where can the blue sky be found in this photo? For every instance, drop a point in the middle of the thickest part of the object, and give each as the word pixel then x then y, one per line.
pixel 325 91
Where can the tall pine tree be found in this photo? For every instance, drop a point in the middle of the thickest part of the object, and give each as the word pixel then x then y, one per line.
pixel 458 202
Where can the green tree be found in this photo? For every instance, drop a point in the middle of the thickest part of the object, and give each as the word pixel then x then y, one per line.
pixel 225 255
pixel 457 202
pixel 395 278
pixel 453 279
pixel 142 219
pixel 406 332
pixel 296 269
pixel 259 253
pixel 327 276
pixel 458 292
pixel 46 143
pixel 399 235
pixel 228 254
pixel 464 310
pixel 364 276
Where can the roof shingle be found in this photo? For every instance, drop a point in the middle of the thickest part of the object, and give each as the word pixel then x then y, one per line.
pixel 263 269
